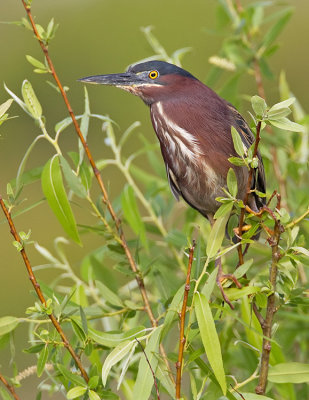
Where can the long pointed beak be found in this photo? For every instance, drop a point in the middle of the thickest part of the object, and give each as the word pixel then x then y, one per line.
pixel 124 79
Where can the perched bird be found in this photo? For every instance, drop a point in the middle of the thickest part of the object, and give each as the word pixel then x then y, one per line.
pixel 193 125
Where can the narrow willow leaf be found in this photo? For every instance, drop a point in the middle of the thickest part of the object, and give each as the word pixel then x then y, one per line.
pixel 286 124
pixel 172 311
pixel 8 324
pixel 76 392
pixel 17 99
pixel 72 378
pixel 114 357
pixel 224 209
pixel 108 294
pixel 144 380
pixel 216 236
pixel 61 125
pixel 93 395
pixel 283 104
pixel 36 63
pixel 22 165
pixel 301 250
pixel 125 365
pixel 292 372
pixel 236 161
pixel 72 179
pixel 210 338
pixel 235 293
pixel 283 112
pixel 112 339
pixel 276 28
pixel 53 189
pixel 259 105
pixel 132 214
pixel 43 356
pixel 232 182
pixel 5 106
pixel 30 99
pixel 210 284
pixel 84 126
pixel 238 144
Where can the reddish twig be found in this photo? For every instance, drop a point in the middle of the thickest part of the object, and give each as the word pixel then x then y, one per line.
pixel 39 293
pixel 182 339
pixel 9 387
pixel 94 168
pixel 97 174
pixel 266 323
pixel 148 362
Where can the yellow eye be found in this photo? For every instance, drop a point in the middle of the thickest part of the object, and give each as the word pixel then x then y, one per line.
pixel 153 74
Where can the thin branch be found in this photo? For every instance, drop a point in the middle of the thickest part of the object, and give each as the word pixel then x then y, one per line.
pixel 153 374
pixel 95 169
pixel 297 220
pixel 9 387
pixel 182 339
pixel 270 310
pixel 39 293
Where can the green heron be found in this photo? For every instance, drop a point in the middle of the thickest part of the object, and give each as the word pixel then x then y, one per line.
pixel 193 125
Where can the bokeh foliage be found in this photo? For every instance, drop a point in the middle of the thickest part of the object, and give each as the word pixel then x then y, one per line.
pixel 101 307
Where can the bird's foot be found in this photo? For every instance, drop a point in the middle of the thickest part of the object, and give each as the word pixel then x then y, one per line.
pixel 221 277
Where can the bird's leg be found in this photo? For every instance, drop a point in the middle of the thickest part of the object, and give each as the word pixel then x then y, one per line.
pixel 221 276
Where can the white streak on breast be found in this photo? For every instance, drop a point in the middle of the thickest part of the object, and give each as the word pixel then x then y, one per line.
pixel 180 135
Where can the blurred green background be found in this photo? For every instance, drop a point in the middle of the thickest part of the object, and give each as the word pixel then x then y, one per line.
pixel 104 36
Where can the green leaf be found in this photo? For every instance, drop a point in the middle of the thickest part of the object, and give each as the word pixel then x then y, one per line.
pixel 144 381
pixel 275 29
pixel 235 293
pixel 216 236
pixel 292 372
pixel 93 382
pixel 238 144
pixel 132 215
pixel 286 124
pixel 232 182
pixel 93 395
pixel 72 378
pixel 224 209
pixel 282 105
pixel 301 250
pixel 36 63
pixel 8 324
pixel 210 338
pixel 210 284
pixel 84 126
pixel 4 395
pixel 22 165
pixel 17 99
pixel 76 392
pixel 72 179
pixel 53 189
pixel 236 161
pixel 43 356
pixel 30 99
pixel 172 311
pixel 114 357
pixel 34 349
pixel 259 105
pixel 112 339
pixel 5 106
pixel 108 294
